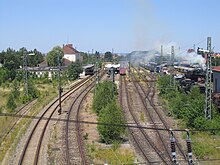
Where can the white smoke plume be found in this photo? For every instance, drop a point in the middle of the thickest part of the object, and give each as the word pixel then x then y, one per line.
pixel 181 56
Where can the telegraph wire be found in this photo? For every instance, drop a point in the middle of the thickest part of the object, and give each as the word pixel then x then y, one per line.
pixel 126 125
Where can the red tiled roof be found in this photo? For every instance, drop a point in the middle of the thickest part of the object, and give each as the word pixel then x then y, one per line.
pixel 68 49
pixel 216 68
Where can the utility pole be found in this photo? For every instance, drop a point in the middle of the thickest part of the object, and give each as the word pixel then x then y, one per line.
pixel 172 67
pixel 161 54
pixel 208 89
pixel 59 87
pixel 113 81
pixel 25 55
pixel 172 55
pixel 88 57
pixel 25 73
pixel 92 57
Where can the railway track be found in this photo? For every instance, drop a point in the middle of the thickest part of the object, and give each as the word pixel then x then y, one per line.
pixel 31 151
pixel 142 141
pixel 21 112
pixel 70 148
pixel 73 157
pixel 149 95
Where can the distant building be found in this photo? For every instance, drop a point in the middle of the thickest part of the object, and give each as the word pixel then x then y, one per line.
pixel 216 79
pixel 71 54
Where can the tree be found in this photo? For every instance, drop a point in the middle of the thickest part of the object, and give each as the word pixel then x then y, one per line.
pixel 74 69
pixel 108 57
pixel 97 55
pixel 36 59
pixel 32 90
pixel 11 62
pixel 15 89
pixel 52 56
pixel 11 102
pixel 3 75
pixel 85 57
pixel 111 114
pixel 103 96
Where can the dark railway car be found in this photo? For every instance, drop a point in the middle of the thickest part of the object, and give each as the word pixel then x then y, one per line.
pixel 89 71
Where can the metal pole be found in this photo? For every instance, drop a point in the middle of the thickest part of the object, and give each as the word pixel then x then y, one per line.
pixel 161 54
pixel 59 88
pixel 172 55
pixel 88 58
pixel 26 76
pixel 208 89
pixel 113 80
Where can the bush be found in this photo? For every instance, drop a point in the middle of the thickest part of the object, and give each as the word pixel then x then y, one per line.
pixel 104 104
pixel 11 102
pixel 111 114
pixel 188 107
pixel 103 95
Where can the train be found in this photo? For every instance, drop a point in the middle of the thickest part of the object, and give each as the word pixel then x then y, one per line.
pixel 117 69
pixel 151 66
pixel 88 70
pixel 122 71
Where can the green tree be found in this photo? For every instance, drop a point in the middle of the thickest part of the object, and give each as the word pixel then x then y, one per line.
pixel 111 114
pixel 52 56
pixel 35 59
pixel 74 69
pixel 15 89
pixel 85 57
pixel 3 75
pixel 103 95
pixel 11 102
pixel 11 62
pixel 216 61
pixel 108 57
pixel 32 90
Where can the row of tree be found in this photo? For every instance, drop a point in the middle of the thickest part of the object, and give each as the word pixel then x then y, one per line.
pixel 188 106
pixel 11 60
pixel 108 112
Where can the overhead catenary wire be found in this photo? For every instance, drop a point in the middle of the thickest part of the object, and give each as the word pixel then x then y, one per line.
pixel 126 125
pixel 179 160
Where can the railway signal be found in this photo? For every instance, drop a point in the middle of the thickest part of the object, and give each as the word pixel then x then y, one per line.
pixel 173 147
pixel 189 148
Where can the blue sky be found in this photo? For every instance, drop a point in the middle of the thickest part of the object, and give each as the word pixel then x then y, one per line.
pixel 124 25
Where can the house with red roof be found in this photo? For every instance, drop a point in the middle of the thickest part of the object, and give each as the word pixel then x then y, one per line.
pixel 71 53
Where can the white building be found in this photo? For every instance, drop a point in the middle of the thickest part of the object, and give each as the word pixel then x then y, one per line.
pixel 71 54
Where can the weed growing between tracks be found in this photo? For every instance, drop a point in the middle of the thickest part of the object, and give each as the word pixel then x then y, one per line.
pixel 111 154
pixel 206 145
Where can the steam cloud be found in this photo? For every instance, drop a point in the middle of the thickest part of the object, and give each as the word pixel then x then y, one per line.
pixel 181 56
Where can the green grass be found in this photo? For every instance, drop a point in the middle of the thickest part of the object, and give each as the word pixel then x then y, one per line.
pixel 48 93
pixel 113 155
pixel 142 118
pixel 206 146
